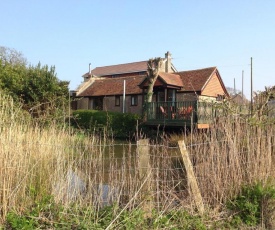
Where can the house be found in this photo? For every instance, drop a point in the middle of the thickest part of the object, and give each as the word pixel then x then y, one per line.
pixel 123 88
pixel 103 87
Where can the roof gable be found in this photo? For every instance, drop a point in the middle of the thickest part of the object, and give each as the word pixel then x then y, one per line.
pixel 195 80
pixel 171 79
pixel 166 78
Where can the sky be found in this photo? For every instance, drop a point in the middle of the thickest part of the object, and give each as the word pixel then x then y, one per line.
pixel 199 33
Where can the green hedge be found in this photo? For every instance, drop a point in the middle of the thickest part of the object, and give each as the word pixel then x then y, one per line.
pixel 118 124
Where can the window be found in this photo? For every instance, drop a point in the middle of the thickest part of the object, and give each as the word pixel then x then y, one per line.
pixel 220 97
pixel 171 95
pixel 160 96
pixel 98 103
pixel 117 100
pixel 134 100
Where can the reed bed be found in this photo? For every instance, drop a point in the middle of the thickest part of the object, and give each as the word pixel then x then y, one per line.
pixel 85 171
pixel 232 154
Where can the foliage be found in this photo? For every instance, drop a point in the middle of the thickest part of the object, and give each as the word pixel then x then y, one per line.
pixel 120 124
pixel 33 218
pixel 43 92
pixel 248 205
pixel 36 87
pixel 46 214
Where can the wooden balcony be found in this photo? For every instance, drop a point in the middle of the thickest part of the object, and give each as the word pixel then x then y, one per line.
pixel 191 113
pixel 181 114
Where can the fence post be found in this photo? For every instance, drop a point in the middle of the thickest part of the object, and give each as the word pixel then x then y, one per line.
pixel 144 171
pixel 191 177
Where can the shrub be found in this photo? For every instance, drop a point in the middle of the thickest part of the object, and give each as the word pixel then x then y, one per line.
pixel 250 204
pixel 120 124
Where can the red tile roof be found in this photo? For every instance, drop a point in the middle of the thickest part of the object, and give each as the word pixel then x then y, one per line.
pixel 113 86
pixel 171 79
pixel 195 80
pixel 133 67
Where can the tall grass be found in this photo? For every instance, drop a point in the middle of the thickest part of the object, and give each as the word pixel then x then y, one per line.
pixel 233 153
pixel 33 160
pixel 75 169
pixel 84 171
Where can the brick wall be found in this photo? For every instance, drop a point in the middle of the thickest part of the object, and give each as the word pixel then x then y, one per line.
pixel 109 104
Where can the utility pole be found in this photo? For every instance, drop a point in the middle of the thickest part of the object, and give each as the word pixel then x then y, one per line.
pixel 69 111
pixel 242 86
pixel 251 96
pixel 234 87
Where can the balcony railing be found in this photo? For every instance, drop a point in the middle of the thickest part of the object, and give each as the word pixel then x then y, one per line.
pixel 172 112
pixel 188 112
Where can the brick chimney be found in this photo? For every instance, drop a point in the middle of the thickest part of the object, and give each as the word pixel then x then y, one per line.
pixel 87 76
pixel 168 64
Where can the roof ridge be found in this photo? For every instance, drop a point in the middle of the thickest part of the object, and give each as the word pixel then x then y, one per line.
pixel 213 67
pixel 117 78
pixel 119 64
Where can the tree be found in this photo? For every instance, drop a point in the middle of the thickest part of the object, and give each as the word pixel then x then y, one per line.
pixel 12 56
pixel 263 102
pixel 233 91
pixel 153 69
pixel 37 88
pixel 43 93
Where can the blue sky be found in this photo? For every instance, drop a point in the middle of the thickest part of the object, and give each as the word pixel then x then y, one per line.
pixel 200 33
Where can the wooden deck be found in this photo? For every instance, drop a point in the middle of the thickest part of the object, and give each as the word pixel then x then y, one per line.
pixel 195 114
pixel 179 114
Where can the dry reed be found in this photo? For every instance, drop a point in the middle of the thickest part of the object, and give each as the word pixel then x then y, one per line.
pixel 35 162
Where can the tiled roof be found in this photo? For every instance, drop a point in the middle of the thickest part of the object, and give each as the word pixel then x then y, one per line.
pixel 171 79
pixel 195 80
pixel 113 86
pixel 133 67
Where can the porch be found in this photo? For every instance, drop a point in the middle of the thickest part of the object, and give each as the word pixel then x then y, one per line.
pixel 180 114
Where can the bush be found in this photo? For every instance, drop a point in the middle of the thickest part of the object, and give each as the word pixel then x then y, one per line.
pixel 251 203
pixel 120 125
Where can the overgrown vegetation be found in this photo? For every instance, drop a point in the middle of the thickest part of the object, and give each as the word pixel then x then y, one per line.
pixel 254 205
pixel 53 177
pixel 36 87
pixel 44 215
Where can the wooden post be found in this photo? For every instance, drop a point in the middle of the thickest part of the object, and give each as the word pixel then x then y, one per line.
pixel 144 174
pixel 191 177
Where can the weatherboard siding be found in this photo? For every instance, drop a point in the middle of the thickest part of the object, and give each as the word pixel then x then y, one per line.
pixel 213 88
